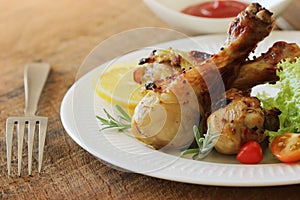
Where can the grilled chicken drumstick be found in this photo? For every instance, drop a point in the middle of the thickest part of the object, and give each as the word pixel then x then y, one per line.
pixel 263 69
pixel 167 113
pixel 260 70
pixel 243 119
pixel 240 121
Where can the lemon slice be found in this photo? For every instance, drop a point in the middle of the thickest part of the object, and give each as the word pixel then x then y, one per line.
pixel 116 86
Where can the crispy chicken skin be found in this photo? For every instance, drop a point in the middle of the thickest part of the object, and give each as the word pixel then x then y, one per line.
pixel 166 115
pixel 263 69
pixel 240 121
pixel 260 70
pixel 163 63
pixel 245 32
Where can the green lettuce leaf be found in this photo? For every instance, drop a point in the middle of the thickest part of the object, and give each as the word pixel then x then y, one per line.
pixel 287 99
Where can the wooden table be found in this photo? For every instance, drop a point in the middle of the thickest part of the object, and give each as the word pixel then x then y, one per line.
pixel 62 33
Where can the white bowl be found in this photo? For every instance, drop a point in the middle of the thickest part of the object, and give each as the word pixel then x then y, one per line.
pixel 170 12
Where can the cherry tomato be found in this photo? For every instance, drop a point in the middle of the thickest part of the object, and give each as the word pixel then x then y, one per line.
pixel 250 153
pixel 286 147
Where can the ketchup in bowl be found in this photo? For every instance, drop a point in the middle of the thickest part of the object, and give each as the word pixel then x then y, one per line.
pixel 216 9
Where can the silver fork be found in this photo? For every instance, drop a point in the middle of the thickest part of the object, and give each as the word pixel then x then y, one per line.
pixel 35 76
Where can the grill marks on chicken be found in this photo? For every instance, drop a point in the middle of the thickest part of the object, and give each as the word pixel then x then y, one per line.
pixel 175 107
pixel 260 70
pixel 263 69
pixel 240 121
pixel 249 28
pixel 164 63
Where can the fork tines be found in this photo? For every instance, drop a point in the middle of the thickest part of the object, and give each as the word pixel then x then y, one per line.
pixel 22 124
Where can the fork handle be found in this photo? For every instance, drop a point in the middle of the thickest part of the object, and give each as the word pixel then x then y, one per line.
pixel 35 76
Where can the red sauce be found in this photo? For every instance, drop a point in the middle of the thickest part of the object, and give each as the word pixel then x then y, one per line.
pixel 216 9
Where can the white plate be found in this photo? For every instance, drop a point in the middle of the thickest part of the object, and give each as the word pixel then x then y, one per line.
pixel 170 12
pixel 80 106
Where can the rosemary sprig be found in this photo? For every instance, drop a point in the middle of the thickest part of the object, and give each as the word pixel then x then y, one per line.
pixel 205 143
pixel 121 123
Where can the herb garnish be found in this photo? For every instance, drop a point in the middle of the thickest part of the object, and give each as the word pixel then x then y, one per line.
pixel 122 122
pixel 205 143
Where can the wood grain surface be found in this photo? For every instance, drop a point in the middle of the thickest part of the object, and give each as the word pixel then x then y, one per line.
pixel 62 33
